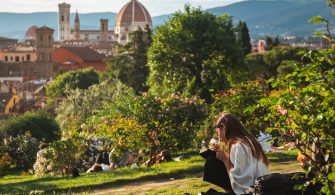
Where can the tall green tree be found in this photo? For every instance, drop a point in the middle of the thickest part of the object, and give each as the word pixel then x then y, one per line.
pixel 130 62
pixel 193 53
pixel 78 79
pixel 244 37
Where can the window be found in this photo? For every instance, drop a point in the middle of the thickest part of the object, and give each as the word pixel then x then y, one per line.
pixel 49 38
pixel 98 37
pixel 62 18
pixel 17 58
pixel 22 58
pixel 6 58
pixel 28 57
pixel 41 38
pixel 68 18
pixel 11 58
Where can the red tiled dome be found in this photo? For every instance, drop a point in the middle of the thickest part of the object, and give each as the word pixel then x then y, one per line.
pixel 31 34
pixel 133 11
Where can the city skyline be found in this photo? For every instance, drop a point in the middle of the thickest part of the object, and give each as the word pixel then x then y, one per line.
pixel 87 6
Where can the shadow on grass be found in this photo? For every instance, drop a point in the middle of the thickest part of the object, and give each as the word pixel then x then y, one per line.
pixel 282 157
pixel 180 174
pixel 41 185
pixel 30 185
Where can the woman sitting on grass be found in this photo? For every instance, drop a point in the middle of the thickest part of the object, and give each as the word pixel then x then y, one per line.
pixel 241 158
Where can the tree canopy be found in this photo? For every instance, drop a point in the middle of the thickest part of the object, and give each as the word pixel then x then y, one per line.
pixel 193 53
pixel 78 79
pixel 129 64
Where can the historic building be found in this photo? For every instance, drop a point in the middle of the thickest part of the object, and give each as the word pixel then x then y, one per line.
pixel 132 16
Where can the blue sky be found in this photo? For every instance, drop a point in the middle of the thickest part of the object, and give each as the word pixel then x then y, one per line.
pixel 155 7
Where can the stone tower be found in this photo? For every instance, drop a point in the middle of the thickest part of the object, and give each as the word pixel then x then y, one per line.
pixel 44 49
pixel 103 30
pixel 77 27
pixel 63 22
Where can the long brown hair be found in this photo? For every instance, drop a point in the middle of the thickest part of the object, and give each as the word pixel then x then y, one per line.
pixel 236 133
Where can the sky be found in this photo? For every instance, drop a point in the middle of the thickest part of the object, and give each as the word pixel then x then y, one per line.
pixel 155 7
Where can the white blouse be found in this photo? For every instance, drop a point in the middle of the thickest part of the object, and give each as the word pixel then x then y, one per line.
pixel 245 169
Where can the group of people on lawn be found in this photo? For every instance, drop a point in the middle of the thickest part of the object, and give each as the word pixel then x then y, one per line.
pixel 233 163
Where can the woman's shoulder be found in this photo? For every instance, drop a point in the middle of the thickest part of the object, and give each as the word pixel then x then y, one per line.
pixel 239 146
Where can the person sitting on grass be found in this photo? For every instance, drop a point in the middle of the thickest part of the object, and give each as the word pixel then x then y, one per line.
pixel 237 160
pixel 100 164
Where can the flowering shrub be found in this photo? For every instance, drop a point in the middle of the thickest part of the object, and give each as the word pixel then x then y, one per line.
pixel 22 150
pixel 304 111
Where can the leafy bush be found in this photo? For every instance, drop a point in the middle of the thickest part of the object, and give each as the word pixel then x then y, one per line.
pixel 80 105
pixel 71 80
pixel 5 162
pixel 41 125
pixel 242 101
pixel 22 150
pixel 165 123
pixel 65 155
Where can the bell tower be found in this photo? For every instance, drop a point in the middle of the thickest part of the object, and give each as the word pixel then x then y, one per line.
pixel 103 30
pixel 63 22
pixel 44 49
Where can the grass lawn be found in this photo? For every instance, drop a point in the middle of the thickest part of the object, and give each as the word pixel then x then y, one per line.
pixel 186 176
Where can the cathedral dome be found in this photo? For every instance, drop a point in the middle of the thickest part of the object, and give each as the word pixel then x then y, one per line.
pixel 31 33
pixel 133 13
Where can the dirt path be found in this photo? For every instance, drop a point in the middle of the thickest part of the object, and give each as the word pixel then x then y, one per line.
pixel 143 187
pixel 139 188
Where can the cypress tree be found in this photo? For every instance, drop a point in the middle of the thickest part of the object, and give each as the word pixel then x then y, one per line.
pixel 244 37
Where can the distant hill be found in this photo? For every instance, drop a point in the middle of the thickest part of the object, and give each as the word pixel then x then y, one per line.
pixel 278 17
pixel 267 17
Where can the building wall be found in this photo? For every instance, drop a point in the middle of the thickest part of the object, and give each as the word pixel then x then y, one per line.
pixel 17 56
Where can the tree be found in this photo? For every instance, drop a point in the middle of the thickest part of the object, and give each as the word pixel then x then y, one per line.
pixel 270 43
pixel 78 79
pixel 243 37
pixel 266 65
pixel 193 53
pixel 130 62
pixel 80 105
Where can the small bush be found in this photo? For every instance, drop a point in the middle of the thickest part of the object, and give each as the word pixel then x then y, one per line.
pixel 5 162
pixel 65 155
pixel 40 124
pixel 22 150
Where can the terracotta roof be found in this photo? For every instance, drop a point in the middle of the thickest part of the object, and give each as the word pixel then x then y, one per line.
pixel 7 39
pixel 18 69
pixel 31 33
pixel 85 53
pixel 133 11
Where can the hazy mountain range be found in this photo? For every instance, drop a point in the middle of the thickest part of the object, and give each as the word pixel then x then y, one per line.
pixel 276 17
